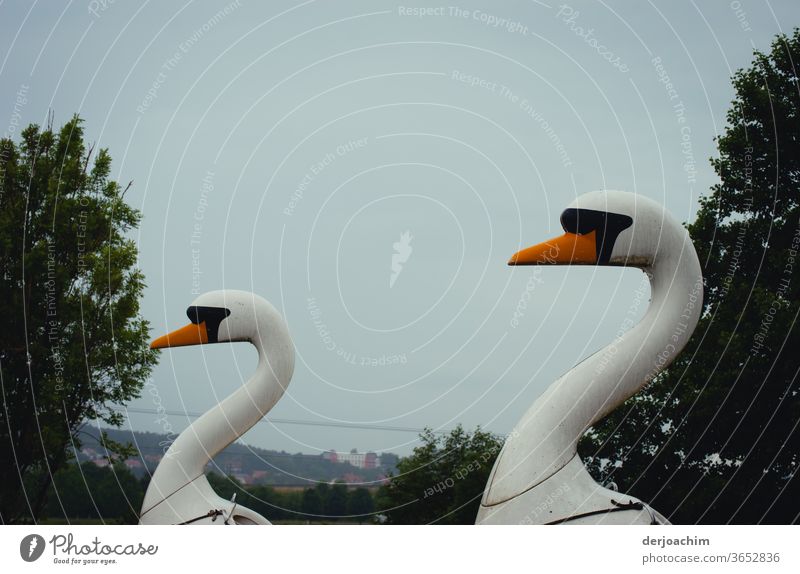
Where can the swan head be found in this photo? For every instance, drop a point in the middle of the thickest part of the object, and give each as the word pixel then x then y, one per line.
pixel 605 228
pixel 222 317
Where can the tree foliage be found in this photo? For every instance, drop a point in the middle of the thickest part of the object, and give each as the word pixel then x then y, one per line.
pixel 324 503
pixel 336 503
pixel 110 494
pixel 442 481
pixel 73 344
pixel 715 438
pixel 360 505
pixel 312 503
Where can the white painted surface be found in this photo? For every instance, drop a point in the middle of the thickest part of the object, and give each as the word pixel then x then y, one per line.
pixel 540 455
pixel 179 490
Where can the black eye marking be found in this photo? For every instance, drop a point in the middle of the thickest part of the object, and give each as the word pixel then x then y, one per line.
pixel 212 316
pixel 607 225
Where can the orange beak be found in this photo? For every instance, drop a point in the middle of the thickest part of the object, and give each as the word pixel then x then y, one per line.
pixel 569 249
pixel 191 334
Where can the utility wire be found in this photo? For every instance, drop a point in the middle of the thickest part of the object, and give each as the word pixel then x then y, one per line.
pixel 331 424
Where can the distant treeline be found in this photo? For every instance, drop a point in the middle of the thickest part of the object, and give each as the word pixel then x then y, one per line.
pixel 441 482
pixel 87 493
pixel 273 467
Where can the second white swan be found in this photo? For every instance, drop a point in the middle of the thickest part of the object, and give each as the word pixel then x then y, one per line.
pixel 179 492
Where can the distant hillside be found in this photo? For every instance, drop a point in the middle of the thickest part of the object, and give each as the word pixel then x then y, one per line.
pixel 250 465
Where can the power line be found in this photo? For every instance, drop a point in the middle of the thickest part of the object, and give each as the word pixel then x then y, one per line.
pixel 332 424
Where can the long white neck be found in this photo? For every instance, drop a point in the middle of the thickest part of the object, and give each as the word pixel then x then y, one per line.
pixel 546 438
pixel 601 383
pixel 227 421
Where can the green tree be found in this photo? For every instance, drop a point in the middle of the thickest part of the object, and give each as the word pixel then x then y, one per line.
pixel 87 491
pixel 225 486
pixel 73 344
pixel 323 490
pixel 715 438
pixel 270 503
pixel 312 503
pixel 336 504
pixel 360 504
pixel 442 481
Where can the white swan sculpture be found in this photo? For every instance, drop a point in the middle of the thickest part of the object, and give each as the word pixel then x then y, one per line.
pixel 179 492
pixel 538 477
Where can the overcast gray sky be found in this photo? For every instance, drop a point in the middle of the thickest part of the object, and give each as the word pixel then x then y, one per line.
pixel 286 147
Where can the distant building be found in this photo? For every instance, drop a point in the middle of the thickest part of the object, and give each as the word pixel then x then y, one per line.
pixel 242 478
pixel 258 475
pixel 355 458
pixel 371 460
pixel 154 458
pixel 350 478
pixel 90 453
